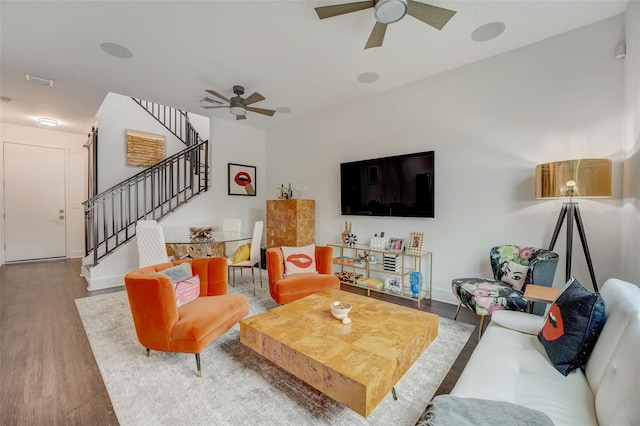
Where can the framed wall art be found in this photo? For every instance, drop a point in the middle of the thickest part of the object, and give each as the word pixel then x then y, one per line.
pixel 144 149
pixel 242 179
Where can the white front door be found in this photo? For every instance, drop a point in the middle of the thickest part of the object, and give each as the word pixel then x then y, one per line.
pixel 34 202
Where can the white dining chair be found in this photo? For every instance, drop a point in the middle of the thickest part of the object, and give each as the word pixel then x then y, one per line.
pixel 254 256
pixel 151 244
pixel 232 225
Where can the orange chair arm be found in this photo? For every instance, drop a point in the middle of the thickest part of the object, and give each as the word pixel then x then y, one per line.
pixel 324 256
pixel 153 306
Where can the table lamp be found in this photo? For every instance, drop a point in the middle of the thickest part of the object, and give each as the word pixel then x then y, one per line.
pixel 590 177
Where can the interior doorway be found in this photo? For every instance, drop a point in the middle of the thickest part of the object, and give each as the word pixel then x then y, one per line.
pixel 34 202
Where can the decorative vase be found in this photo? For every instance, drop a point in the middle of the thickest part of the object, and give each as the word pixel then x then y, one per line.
pixel 415 279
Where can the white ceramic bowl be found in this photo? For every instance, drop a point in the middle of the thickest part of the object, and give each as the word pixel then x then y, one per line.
pixel 340 310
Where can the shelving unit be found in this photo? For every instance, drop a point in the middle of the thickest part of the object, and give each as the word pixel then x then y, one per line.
pixel 356 259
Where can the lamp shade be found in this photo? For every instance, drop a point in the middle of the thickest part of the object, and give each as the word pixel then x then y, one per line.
pixel 592 178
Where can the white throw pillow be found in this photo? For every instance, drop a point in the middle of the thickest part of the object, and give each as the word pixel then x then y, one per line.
pixel 299 260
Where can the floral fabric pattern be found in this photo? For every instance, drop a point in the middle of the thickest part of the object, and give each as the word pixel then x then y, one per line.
pixel 485 296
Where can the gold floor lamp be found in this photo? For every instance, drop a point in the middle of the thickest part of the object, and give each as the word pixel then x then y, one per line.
pixel 574 179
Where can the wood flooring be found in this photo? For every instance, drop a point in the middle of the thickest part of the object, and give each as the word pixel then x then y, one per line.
pixel 48 375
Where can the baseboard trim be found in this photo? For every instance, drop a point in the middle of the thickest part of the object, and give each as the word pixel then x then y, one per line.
pixel 105 282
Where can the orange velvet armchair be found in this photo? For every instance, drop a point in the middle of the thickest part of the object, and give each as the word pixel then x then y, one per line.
pixel 163 326
pixel 287 288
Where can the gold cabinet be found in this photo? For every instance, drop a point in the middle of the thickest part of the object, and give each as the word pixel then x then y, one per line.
pixel 291 222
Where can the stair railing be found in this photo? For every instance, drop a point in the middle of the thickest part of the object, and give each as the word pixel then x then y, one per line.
pixel 174 120
pixel 111 216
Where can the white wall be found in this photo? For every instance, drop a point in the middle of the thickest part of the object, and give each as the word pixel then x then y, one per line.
pixel 116 115
pixel 489 123
pixel 75 175
pixel 630 213
pixel 229 143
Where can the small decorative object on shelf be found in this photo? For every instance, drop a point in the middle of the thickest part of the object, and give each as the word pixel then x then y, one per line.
pixel 200 234
pixel 415 279
pixel 390 263
pixel 396 244
pixel 351 240
pixel 346 232
pixel 392 284
pixel 350 277
pixel 416 241
pixel 363 259
pixel 378 243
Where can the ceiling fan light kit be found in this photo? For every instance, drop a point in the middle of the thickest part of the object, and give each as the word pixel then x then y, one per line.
pixel 238 109
pixel 239 106
pixel 390 11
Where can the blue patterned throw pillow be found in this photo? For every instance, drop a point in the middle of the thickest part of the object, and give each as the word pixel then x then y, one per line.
pixel 572 326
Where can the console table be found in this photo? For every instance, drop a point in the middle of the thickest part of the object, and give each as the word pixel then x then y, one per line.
pixel 388 274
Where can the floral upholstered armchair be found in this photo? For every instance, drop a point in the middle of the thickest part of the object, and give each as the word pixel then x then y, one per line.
pixel 513 268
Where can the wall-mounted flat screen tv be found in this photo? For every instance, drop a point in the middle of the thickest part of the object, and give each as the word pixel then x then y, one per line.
pixel 401 185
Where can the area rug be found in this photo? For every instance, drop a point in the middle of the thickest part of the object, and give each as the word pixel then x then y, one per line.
pixel 238 386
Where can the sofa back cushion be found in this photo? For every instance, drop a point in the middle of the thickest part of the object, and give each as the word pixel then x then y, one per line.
pixel 613 370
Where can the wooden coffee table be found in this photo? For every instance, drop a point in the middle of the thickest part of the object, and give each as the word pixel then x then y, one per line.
pixel 355 364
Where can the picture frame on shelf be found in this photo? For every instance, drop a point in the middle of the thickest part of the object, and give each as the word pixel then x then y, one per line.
pixel 392 284
pixel 395 244
pixel 416 241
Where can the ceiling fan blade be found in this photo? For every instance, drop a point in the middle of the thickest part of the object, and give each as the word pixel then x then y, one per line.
pixel 217 106
pixel 217 95
pixel 255 97
pixel 241 117
pixel 268 112
pixel 377 35
pixel 340 9
pixel 435 16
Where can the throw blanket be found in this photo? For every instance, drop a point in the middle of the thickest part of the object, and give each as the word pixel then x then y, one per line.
pixel 447 410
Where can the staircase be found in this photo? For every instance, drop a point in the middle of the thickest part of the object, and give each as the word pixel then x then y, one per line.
pixel 111 216
pixel 174 120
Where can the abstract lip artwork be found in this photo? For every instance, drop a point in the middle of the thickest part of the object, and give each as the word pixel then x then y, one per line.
pixel 242 179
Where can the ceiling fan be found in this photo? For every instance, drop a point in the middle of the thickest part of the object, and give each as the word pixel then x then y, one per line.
pixel 239 106
pixel 390 11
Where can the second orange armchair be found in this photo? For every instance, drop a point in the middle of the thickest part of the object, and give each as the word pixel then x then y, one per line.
pixel 290 287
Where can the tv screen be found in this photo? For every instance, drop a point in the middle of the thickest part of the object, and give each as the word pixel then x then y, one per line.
pixel 392 186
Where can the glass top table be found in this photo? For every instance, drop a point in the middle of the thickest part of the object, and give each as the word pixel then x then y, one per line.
pixel 182 237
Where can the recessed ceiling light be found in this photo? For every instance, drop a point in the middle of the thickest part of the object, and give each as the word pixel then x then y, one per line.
pixel 47 121
pixel 39 80
pixel 488 31
pixel 368 77
pixel 283 110
pixel 116 50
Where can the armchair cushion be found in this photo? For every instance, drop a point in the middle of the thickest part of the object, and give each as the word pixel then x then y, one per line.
pixel 572 327
pixel 179 272
pixel 299 260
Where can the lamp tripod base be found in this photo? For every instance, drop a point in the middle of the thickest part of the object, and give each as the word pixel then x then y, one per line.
pixel 571 211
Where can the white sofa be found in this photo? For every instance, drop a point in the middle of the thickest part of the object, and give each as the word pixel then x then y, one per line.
pixel 510 364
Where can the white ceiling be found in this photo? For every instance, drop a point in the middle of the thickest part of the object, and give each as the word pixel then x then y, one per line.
pixel 277 48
